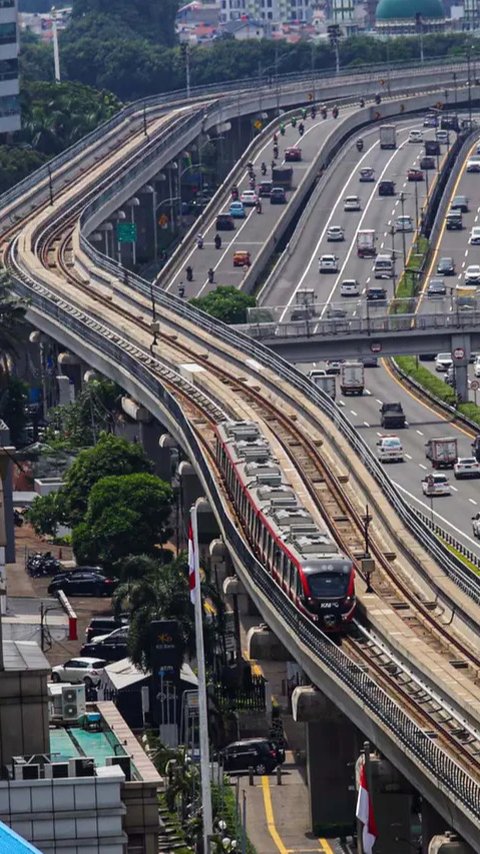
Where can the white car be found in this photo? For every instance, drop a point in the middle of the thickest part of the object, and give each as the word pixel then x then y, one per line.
pixel 328 264
pixel 443 361
pixel 117 634
pixel 349 288
pixel 442 136
pixel 390 450
pixel 473 163
pixel 78 670
pixel 335 233
pixel 436 484
pixel 476 525
pixel 476 366
pixel 466 467
pixel 474 238
pixel 404 223
pixel 367 174
pixel 352 203
pixel 249 198
pixel 415 136
pixel 472 274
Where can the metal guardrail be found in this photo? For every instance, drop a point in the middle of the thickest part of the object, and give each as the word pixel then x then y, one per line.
pixel 448 538
pixel 362 690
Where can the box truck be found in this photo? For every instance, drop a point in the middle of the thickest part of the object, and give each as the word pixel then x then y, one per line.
pixel 352 377
pixel 388 136
pixel 442 453
pixel 366 243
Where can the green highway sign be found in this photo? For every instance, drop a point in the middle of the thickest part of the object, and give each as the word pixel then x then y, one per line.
pixel 126 232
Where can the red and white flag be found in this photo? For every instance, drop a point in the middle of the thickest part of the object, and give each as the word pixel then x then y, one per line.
pixel 364 813
pixel 191 564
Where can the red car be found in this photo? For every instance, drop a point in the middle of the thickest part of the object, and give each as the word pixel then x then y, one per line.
pixel 415 175
pixel 293 155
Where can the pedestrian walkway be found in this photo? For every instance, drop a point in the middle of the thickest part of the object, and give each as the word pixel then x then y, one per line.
pixel 277 815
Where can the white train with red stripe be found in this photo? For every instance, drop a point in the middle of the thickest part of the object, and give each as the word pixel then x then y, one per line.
pixel 299 552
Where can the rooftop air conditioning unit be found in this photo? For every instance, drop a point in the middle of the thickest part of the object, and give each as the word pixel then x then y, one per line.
pixel 73 702
pixel 125 765
pixel 269 478
pixel 246 430
pixel 26 772
pixel 56 769
pixel 83 766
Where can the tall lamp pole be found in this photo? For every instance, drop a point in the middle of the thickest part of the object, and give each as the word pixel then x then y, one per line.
pixel 56 56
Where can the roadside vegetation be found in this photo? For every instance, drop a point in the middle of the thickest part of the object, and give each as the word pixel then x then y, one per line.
pixel 436 386
pixel 225 303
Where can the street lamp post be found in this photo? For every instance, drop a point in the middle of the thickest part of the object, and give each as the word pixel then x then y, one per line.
pixel 404 246
pixel 56 57
pixel 469 51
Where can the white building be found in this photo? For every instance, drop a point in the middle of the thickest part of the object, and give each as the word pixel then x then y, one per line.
pixel 9 86
pixel 274 11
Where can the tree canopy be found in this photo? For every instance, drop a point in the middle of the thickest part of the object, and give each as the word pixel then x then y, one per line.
pixel 77 425
pixel 126 515
pixel 110 456
pixel 226 303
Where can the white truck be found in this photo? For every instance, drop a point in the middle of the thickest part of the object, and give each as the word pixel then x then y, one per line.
pixel 366 243
pixel 352 378
pixel 388 136
pixel 442 453
pixel 324 381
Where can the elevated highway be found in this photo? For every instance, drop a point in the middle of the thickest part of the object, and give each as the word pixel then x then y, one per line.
pixel 108 323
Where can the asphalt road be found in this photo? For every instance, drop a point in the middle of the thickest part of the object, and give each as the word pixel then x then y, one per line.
pixel 377 213
pixel 251 232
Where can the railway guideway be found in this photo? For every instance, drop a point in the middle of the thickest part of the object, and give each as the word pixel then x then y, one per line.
pixel 446 785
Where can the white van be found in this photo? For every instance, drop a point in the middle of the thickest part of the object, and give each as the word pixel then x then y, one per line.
pixel 390 450
pixel 404 223
pixel 383 267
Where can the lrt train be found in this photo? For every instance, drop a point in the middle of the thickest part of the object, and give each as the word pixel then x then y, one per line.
pixel 302 557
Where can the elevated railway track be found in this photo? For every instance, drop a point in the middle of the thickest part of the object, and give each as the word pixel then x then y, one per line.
pixel 108 322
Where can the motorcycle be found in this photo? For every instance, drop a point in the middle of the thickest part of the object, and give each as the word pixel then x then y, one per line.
pixel 313 112
pixel 39 565
pixel 359 144
pixel 335 112
pixel 263 168
pixel 189 273
pixel 282 130
pixel 275 152
pixel 378 99
pixel 218 241
pixel 259 207
pixel 199 242
pixel 234 194
pixel 301 129
pixel 211 275
pixel 323 112
pixel 362 102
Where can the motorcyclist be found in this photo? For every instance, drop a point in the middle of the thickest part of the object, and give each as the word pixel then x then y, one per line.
pixel 199 240
pixel 181 290
pixel 273 164
pixel 263 168
pixel 259 206
pixel 313 112
pixel 335 111
pixel 251 183
pixel 218 241
pixel 234 192
pixel 301 128
pixel 360 144
pixel 275 151
pixel 294 122
pixel 250 166
pixel 211 275
pixel 189 273
pixel 378 98
pixel 323 111
pixel 282 129
pixel 304 113
pixel 362 102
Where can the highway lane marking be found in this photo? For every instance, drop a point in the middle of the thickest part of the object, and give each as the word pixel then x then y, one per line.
pixel 366 424
pixel 438 415
pixel 373 195
pixel 443 228
pixel 214 218
pixel 329 220
pixel 431 510
pixel 422 466
pixel 419 432
pixel 353 412
pixel 366 391
pixel 408 456
pixel 472 501
pixel 455 488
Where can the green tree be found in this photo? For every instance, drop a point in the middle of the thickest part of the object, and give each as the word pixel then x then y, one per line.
pixel 146 18
pixel 35 60
pixel 77 425
pixel 226 303
pixel 126 514
pixel 44 514
pixel 12 325
pixel 110 456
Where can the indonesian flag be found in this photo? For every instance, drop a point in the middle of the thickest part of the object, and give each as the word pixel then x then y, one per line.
pixel 365 814
pixel 191 564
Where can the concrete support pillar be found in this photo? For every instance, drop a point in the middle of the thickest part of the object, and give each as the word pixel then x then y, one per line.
pixel 71 367
pixel 393 801
pixel 263 645
pixel 332 744
pixel 448 843
pixel 461 353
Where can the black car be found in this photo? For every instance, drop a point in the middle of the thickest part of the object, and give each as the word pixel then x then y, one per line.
pixel 261 754
pixel 436 288
pixel 114 647
pixel 277 196
pixel 376 294
pixel 386 188
pixel 446 267
pixel 82 582
pixel 103 626
pixel 224 222
pixel 476 447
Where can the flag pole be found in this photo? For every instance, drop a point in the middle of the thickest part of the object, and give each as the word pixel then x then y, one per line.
pixel 202 689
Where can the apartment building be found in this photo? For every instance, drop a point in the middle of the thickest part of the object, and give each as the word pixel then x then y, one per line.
pixel 9 85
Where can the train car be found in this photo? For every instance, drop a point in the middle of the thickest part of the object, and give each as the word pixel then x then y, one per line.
pixel 299 552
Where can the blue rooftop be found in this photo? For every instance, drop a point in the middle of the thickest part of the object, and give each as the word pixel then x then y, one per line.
pixel 12 843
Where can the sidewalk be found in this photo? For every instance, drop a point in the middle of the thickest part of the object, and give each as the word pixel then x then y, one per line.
pixel 277 816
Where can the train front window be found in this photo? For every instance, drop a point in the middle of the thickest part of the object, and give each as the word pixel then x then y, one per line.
pixel 328 585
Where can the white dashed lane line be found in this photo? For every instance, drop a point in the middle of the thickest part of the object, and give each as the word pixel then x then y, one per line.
pixel 422 466
pixel 408 456
pixel 472 501
pixel 419 432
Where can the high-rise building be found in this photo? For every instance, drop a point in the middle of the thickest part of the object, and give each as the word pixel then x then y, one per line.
pixel 9 86
pixel 471 14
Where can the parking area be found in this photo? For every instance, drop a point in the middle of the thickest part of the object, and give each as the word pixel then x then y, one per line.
pixel 21 586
